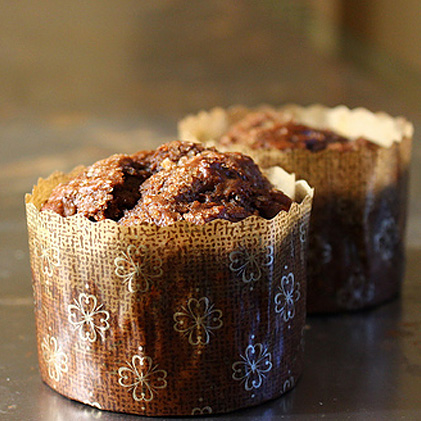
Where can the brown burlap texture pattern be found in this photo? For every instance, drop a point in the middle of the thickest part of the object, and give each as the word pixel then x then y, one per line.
pixel 178 320
pixel 356 246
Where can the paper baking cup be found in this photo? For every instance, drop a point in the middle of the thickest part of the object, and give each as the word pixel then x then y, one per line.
pixel 356 247
pixel 178 320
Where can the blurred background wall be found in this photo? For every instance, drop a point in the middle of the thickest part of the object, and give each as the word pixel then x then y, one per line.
pixel 393 27
pixel 168 57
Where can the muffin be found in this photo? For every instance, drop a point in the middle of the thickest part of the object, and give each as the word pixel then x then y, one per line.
pixel 358 163
pixel 170 282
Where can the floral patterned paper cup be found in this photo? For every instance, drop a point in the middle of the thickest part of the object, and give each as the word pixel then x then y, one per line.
pixel 356 247
pixel 178 320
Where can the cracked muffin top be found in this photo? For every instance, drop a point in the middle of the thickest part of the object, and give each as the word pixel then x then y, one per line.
pixel 177 181
pixel 274 129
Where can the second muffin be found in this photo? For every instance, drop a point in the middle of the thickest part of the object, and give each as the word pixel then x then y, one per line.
pixel 358 163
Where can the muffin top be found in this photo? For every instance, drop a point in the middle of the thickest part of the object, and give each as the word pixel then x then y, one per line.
pixel 178 181
pixel 274 129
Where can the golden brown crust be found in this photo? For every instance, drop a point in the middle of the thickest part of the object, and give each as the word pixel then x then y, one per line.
pixel 274 129
pixel 178 181
pixel 103 190
pixel 207 186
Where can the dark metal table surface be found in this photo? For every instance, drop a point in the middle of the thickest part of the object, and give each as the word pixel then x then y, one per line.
pixel 79 84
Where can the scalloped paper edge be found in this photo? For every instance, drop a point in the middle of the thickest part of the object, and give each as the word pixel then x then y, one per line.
pixel 378 127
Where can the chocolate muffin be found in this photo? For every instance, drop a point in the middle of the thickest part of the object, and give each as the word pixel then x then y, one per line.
pixel 358 162
pixel 178 181
pixel 170 282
